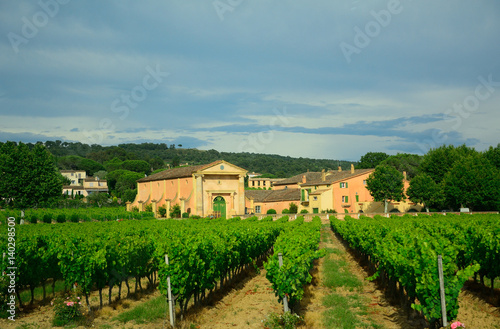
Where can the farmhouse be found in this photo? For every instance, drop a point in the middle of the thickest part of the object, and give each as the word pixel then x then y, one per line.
pixel 81 184
pixel 216 189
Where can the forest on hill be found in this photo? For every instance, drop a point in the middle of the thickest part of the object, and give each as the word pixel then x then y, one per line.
pixel 94 158
pixel 447 177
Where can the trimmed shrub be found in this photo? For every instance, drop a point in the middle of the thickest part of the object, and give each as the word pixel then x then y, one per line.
pixel 61 218
pixel 162 211
pixel 185 215
pixel 285 211
pixel 304 211
pixel 271 212
pixel 47 218
pixel 74 218
pixel 33 219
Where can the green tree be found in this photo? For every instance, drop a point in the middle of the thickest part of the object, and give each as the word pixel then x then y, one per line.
pixel 437 162
pixel 474 183
pixel 137 166
pixel 424 190
pixel 404 162
pixel 28 178
pixel 371 160
pixel 386 183
pixel 119 181
pixel 99 199
pixel 176 161
pixel 493 155
pixel 292 208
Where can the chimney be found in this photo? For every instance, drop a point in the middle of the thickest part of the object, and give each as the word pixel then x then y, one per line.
pixel 352 168
pixel 404 175
pixel 323 175
pixel 303 179
pixel 340 168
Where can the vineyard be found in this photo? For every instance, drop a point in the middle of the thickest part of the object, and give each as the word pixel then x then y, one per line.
pixel 35 216
pixel 204 254
pixel 404 252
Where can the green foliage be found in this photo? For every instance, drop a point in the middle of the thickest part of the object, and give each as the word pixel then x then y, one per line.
pixel 98 199
pixel 162 211
pixel 47 218
pixel 473 182
pixel 437 162
pixel 73 218
pixel 61 218
pixel 67 310
pixel 73 162
pixel 371 160
pixel 424 190
pixel 286 321
pixel 386 183
pixel 28 178
pixel 299 247
pixel 175 211
pixel 285 211
pixel 406 250
pixel 404 162
pixel 4 296
pixel 493 155
pixel 185 215
pixel 304 211
pixel 292 208
pixel 271 211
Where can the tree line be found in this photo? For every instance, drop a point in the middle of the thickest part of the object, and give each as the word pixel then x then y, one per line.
pixel 447 177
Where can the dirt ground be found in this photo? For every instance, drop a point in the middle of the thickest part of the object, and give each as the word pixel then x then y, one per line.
pixel 247 302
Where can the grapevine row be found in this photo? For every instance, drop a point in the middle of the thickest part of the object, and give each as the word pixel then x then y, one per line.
pixel 298 244
pixel 405 249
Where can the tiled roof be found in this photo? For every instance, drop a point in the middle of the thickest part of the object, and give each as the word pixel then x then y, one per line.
pixel 319 191
pixel 335 176
pixel 292 194
pixel 176 172
pixel 298 178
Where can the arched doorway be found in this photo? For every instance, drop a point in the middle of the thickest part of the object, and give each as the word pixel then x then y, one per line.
pixel 219 207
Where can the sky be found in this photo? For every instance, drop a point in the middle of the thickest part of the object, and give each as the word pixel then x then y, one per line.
pixel 321 79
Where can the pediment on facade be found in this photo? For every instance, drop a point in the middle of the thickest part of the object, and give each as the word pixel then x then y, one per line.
pixel 221 168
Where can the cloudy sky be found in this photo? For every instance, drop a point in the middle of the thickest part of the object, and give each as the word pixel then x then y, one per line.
pixel 322 79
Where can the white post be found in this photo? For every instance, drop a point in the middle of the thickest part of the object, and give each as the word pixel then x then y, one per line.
pixel 441 290
pixel 285 299
pixel 171 302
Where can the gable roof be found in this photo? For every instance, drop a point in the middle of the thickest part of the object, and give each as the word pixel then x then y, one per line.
pixel 291 194
pixel 181 172
pixel 313 175
pixel 335 176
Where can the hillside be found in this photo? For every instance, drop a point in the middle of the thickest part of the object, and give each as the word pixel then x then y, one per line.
pixel 163 155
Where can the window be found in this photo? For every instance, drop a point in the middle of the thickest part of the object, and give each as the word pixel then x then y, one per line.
pixel 91 184
pixel 343 185
pixel 257 209
pixel 345 199
pixel 315 198
pixel 315 211
pixel 364 182
pixel 357 198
